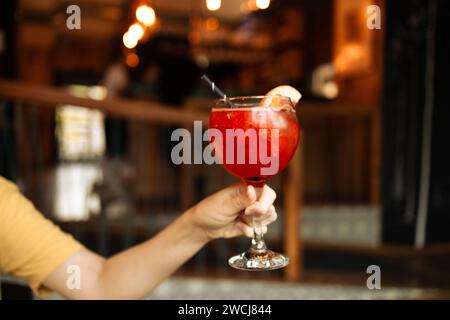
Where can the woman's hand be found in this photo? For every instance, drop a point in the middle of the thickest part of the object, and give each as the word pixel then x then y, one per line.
pixel 228 213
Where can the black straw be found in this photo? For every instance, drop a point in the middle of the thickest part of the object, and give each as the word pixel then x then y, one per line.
pixel 216 90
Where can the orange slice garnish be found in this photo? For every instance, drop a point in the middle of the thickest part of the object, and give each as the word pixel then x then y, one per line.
pixel 275 97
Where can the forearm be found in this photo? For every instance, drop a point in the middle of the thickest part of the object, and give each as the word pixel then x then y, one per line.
pixel 135 272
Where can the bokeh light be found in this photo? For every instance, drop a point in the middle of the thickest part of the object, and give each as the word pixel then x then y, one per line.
pixel 129 41
pixel 262 4
pixel 132 60
pixel 136 31
pixel 146 15
pixel 213 5
pixel 212 24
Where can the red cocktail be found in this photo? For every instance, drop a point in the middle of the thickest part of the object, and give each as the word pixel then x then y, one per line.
pixel 254 139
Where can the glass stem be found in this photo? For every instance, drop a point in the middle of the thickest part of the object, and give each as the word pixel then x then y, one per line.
pixel 258 243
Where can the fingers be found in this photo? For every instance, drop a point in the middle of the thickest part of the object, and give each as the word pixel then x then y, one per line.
pixel 264 203
pixel 264 219
pixel 242 196
pixel 235 198
pixel 244 222
pixel 261 209
pixel 247 230
pixel 269 217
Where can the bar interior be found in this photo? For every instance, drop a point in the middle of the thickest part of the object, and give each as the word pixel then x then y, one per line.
pixel 91 92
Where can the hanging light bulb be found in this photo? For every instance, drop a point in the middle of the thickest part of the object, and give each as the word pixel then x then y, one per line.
pixel 129 41
pixel 262 4
pixel 136 31
pixel 213 5
pixel 146 15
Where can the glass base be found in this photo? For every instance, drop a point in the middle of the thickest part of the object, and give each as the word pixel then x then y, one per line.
pixel 259 261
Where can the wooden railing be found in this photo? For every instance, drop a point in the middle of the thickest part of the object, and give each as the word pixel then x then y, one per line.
pixel 157 113
pixel 128 109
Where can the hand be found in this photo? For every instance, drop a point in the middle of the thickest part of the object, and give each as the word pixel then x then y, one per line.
pixel 228 213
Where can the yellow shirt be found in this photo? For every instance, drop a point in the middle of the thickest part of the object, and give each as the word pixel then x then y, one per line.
pixel 31 247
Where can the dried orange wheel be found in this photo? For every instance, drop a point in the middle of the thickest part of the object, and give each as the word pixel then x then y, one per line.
pixel 276 96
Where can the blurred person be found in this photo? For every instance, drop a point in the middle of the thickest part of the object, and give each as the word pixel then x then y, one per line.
pixel 36 250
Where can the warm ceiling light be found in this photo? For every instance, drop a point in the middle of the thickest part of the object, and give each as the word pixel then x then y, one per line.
pixel 146 15
pixel 251 4
pixel 212 24
pixel 262 4
pixel 136 31
pixel 330 90
pixel 213 5
pixel 129 41
pixel 132 60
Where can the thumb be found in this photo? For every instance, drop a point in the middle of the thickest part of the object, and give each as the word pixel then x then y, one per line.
pixel 240 197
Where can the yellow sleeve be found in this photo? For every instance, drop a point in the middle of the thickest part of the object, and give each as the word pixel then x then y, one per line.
pixel 31 246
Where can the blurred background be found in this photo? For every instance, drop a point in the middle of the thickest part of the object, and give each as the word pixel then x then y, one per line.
pixel 87 107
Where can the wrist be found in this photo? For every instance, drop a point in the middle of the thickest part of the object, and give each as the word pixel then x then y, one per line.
pixel 195 230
